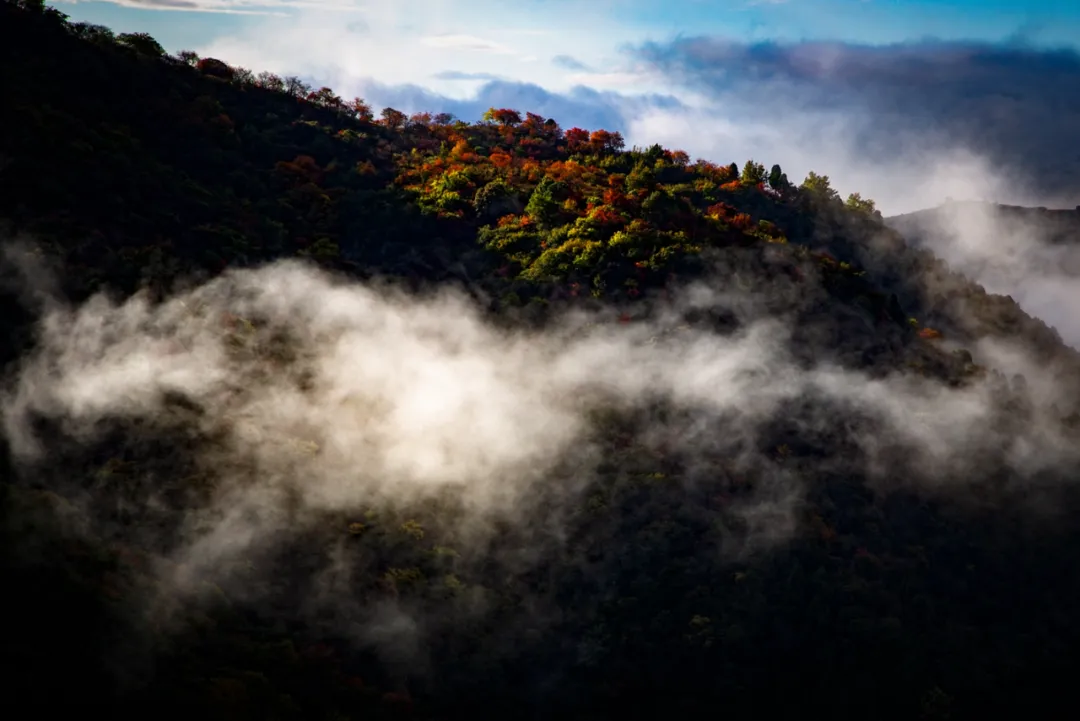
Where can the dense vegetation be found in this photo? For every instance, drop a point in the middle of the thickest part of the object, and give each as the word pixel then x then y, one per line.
pixel 126 168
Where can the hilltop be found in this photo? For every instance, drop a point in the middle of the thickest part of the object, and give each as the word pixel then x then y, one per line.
pixel 313 412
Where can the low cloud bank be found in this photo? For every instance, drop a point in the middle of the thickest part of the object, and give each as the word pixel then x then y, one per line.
pixel 296 387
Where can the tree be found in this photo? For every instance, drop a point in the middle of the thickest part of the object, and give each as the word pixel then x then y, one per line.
pixel 188 57
pixel 778 179
pixel 296 87
pixel 856 202
pixel 545 203
pixel 576 139
pixel 93 33
pixel 38 7
pixel 533 122
pixel 215 68
pixel 652 155
pixel 243 76
pixel 495 200
pixel 753 173
pixel 818 186
pixel 604 141
pixel 360 110
pixel 270 81
pixel 142 43
pixel 660 207
pixel 503 116
pixel 324 97
pixel 393 119
pixel 420 120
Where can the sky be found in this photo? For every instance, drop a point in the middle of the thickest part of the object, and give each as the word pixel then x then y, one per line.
pixel 904 101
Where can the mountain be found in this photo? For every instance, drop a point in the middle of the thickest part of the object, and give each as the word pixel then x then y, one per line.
pixel 313 415
pixel 1029 254
pixel 1055 226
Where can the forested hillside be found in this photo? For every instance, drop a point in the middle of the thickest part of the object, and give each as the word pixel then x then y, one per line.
pixel 314 412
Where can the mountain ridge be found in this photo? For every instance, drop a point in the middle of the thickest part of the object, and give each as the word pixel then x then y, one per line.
pixel 1030 254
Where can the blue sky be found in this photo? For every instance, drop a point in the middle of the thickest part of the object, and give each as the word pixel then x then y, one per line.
pixel 874 21
pixel 904 100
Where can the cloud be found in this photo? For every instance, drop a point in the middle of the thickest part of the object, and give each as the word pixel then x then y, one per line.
pixel 580 106
pixel 295 389
pixel 570 63
pixel 287 403
pixel 904 124
pixel 165 4
pixel 241 7
pixel 269 8
pixel 466 42
pixel 823 141
pixel 457 75
pixel 894 107
pixel 408 43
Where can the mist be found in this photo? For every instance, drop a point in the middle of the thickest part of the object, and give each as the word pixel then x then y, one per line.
pixel 244 433
pixel 306 390
pixel 1028 254
pixel 905 123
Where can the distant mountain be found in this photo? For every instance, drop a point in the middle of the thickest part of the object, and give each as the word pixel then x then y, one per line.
pixel 1030 254
pixel 1053 225
pixel 310 414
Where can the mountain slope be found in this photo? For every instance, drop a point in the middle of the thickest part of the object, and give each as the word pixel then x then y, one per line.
pixel 1029 254
pixel 421 418
pixel 1055 226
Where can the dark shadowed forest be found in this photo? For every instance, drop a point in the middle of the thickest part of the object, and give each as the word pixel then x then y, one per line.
pixel 313 411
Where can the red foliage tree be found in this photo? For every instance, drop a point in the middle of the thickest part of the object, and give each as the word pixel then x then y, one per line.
pixel 680 158
pixel 603 141
pixel 503 116
pixel 394 119
pixel 360 110
pixel 576 139
pixel 718 210
pixel 324 97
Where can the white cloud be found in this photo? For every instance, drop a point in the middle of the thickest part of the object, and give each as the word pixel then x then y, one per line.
pixel 346 396
pixel 273 8
pixel 465 42
pixel 413 42
pixel 446 48
pixel 612 80
pixel 919 173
